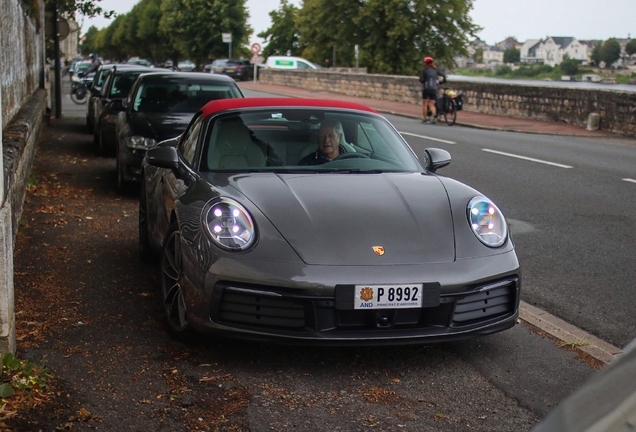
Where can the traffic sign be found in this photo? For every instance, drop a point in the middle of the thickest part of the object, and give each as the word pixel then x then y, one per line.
pixel 256 59
pixel 256 48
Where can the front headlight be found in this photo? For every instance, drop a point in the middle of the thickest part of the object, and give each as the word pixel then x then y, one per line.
pixel 229 225
pixel 487 221
pixel 139 142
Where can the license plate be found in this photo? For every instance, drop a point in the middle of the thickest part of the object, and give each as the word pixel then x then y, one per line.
pixel 388 296
pixel 229 70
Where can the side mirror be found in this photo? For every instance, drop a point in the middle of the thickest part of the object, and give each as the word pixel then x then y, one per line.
pixel 166 157
pixel 436 159
pixel 115 104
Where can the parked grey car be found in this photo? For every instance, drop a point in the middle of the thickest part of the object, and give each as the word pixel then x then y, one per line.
pixel 259 239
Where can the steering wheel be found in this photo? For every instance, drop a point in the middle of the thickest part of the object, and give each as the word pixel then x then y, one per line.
pixel 351 156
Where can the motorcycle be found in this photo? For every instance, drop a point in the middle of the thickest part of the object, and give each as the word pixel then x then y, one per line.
pixel 79 89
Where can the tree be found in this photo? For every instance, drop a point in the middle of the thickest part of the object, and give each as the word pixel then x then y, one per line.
pixel 195 27
pixel 154 45
pixel 283 36
pixel 88 43
pixel 596 53
pixel 610 52
pixel 325 24
pixel 630 48
pixel 87 8
pixel 569 66
pixel 393 35
pixel 478 56
pixel 512 55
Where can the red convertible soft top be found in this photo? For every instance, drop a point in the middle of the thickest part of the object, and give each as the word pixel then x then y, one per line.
pixel 237 103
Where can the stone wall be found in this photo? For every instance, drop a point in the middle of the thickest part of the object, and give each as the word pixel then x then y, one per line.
pixel 617 109
pixel 23 103
pixel 21 56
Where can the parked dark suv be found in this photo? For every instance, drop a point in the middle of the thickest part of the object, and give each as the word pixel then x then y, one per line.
pixel 159 107
pixel 241 70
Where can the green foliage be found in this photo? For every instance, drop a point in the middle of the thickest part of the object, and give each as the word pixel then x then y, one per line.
pixel 195 27
pixel 569 66
pixel 282 37
pixel 512 55
pixel 478 56
pixel 503 70
pixel 596 53
pixel 72 8
pixel 630 47
pixel 610 52
pixel 23 376
pixel 393 35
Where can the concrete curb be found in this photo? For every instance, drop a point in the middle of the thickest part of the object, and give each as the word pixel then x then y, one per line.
pixel 568 334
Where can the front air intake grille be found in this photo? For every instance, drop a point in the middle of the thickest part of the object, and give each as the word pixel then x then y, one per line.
pixel 250 308
pixel 489 302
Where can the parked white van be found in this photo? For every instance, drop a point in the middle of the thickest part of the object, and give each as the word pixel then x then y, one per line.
pixel 288 62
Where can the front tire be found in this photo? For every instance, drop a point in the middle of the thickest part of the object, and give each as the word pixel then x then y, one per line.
pixel 450 116
pixel 145 250
pixel 172 296
pixel 78 96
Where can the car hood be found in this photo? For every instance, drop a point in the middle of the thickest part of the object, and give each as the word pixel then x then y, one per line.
pixel 339 219
pixel 159 126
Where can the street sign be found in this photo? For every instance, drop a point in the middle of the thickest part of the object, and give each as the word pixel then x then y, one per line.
pixel 256 48
pixel 227 37
pixel 256 59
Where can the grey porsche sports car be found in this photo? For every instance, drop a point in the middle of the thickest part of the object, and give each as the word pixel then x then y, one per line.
pixel 313 221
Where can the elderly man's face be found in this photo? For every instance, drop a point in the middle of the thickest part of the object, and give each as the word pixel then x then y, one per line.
pixel 329 140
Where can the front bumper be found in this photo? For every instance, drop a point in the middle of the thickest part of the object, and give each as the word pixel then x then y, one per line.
pixel 130 163
pixel 469 298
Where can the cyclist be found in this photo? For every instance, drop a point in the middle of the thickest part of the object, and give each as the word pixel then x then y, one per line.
pixel 429 76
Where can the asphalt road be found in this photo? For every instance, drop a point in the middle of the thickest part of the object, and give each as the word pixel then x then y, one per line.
pixel 571 202
pixel 88 307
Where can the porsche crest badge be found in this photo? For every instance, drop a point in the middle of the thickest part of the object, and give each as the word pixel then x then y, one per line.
pixel 379 250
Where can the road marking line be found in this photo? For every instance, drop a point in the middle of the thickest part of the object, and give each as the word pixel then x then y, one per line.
pixel 629 180
pixel 527 158
pixel 427 138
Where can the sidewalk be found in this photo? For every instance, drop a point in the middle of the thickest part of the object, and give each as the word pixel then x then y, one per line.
pixel 464 118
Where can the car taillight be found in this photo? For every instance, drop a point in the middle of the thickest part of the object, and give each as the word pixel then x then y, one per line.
pixel 239 67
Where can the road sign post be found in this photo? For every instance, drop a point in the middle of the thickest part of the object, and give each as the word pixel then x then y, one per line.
pixel 256 59
pixel 227 38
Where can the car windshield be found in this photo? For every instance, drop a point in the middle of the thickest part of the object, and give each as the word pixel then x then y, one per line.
pixel 122 84
pixel 287 140
pixel 180 96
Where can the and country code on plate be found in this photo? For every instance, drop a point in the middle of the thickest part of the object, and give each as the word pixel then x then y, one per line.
pixel 388 296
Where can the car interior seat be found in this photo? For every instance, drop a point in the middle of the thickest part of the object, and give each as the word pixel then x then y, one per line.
pixel 232 146
pixel 156 100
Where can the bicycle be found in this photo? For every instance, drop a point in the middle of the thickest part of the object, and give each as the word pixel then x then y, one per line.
pixel 448 104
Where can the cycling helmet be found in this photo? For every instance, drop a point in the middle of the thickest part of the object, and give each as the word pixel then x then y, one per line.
pixel 429 60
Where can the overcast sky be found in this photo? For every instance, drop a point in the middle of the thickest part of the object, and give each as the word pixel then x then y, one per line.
pixel 523 19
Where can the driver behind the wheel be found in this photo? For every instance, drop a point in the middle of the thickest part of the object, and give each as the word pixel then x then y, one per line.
pixel 330 136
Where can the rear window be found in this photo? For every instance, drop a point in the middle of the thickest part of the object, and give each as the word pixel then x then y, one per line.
pixel 180 97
